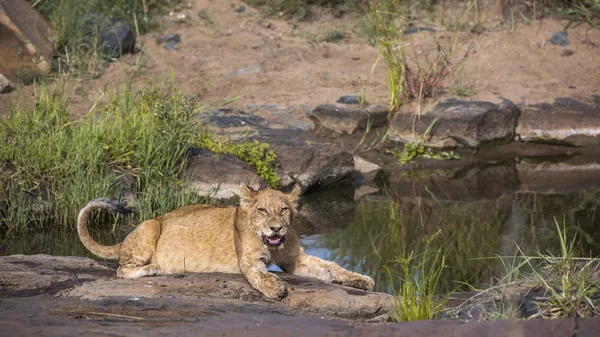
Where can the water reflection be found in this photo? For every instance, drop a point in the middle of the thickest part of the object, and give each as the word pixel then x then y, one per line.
pixel 482 213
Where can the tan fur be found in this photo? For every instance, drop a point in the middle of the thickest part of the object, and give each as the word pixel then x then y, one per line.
pixel 229 239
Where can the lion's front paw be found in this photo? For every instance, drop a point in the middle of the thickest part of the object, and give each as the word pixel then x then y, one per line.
pixel 273 287
pixel 360 282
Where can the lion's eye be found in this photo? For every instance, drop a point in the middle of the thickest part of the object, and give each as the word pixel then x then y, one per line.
pixel 263 211
pixel 285 209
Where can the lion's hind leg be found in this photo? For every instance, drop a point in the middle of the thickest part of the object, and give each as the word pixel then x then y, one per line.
pixel 137 251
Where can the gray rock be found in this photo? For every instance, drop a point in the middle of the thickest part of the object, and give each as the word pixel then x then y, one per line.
pixel 307 160
pixel 219 176
pixel 304 158
pixel 560 38
pixel 240 9
pixel 114 37
pixel 566 121
pixel 251 70
pixel 285 115
pixel 348 99
pixel 344 120
pixel 363 166
pixel 457 123
pixel 168 38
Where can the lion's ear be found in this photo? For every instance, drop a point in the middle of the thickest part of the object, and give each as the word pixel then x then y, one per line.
pixel 294 195
pixel 246 195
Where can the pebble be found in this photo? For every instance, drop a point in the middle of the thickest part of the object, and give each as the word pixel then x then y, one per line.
pixel 560 38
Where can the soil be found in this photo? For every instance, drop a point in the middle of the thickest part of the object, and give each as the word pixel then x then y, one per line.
pixel 295 71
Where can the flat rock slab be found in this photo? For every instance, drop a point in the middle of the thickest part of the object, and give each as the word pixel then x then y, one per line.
pixel 86 279
pixel 455 123
pixel 566 121
pixel 344 120
pixel 304 159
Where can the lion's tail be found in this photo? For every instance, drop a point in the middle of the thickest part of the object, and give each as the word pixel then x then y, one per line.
pixel 107 252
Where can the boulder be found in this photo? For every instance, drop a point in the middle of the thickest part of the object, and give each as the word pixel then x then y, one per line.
pixel 25 47
pixel 304 159
pixel 344 120
pixel 111 37
pixel 219 176
pixel 566 121
pixel 455 123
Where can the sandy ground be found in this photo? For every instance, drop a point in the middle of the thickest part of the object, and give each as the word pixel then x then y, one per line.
pixel 285 67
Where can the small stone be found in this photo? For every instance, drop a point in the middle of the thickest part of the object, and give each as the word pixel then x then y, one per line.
pixel 348 99
pixel 560 38
pixel 240 9
pixel 168 38
pixel 251 107
pixel 222 286
pixel 251 70
pixel 5 85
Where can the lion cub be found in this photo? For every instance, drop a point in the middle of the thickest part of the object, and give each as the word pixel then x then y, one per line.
pixel 228 239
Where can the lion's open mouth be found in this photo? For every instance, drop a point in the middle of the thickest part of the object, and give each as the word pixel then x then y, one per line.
pixel 274 240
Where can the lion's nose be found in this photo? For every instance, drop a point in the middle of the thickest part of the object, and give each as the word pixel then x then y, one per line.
pixel 276 229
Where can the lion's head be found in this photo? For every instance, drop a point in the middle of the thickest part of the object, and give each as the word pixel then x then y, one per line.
pixel 270 212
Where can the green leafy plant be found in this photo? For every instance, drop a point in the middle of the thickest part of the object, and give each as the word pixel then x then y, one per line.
pixel 257 154
pixel 413 150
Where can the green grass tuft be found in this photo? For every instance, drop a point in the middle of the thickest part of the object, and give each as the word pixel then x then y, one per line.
pixel 417 296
